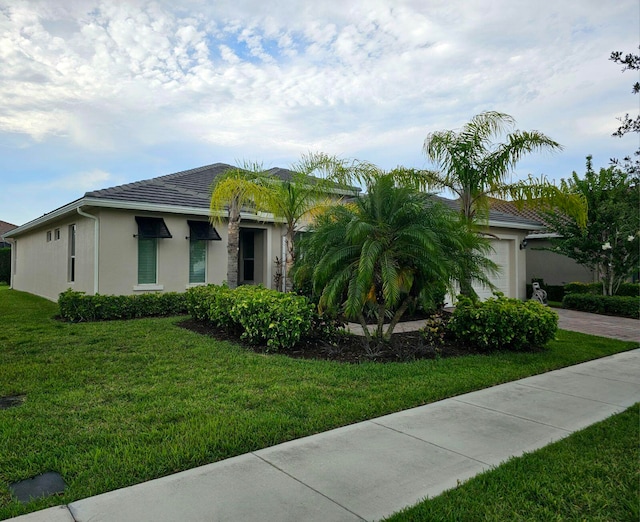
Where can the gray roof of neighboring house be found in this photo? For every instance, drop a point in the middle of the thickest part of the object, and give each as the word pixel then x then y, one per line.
pixel 5 227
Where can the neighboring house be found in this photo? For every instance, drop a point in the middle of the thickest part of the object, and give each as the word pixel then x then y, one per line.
pixel 552 267
pixel 154 235
pixel 4 228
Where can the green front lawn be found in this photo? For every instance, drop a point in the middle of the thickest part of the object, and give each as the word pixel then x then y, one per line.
pixel 590 475
pixel 116 403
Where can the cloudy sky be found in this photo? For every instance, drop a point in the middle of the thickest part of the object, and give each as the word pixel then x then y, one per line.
pixel 99 93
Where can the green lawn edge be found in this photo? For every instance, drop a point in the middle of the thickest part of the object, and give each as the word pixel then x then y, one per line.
pixel 592 474
pixel 116 403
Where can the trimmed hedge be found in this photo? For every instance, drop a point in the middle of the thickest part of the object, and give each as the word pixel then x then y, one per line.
pixel 5 265
pixel 625 289
pixel 621 306
pixel 262 316
pixel 501 323
pixel 77 306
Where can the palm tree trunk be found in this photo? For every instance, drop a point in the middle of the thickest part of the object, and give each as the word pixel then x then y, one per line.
pixel 233 245
pixel 289 260
pixel 397 316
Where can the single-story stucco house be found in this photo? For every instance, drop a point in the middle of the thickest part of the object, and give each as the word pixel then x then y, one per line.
pixel 154 235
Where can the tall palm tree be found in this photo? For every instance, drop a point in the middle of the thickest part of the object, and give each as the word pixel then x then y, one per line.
pixel 477 169
pixel 232 190
pixel 391 248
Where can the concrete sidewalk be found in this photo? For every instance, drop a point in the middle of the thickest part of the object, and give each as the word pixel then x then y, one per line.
pixel 372 469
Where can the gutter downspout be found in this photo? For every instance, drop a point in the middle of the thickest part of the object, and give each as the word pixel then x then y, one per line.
pixel 96 247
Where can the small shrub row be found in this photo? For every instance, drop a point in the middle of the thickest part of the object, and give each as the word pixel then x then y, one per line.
pixel 501 323
pixel 621 306
pixel 625 289
pixel 77 306
pixel 5 265
pixel 262 316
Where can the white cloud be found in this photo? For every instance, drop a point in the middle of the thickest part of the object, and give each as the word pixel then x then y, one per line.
pixel 107 74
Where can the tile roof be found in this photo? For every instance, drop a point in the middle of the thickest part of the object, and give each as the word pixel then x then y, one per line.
pixel 188 188
pixel 502 214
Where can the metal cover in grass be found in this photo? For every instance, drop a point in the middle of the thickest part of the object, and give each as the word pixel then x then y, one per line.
pixel 11 401
pixel 47 484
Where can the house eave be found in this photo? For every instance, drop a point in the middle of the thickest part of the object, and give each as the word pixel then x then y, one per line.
pixel 517 226
pixel 126 205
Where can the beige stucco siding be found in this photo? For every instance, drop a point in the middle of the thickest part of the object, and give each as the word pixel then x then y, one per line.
pixel 555 269
pixel 43 266
pixel 119 253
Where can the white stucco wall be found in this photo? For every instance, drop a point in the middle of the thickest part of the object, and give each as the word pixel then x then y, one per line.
pixel 42 266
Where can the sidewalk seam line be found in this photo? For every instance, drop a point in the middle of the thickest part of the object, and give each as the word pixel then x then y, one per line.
pixel 308 486
pixel 568 431
pixel 571 394
pixel 431 443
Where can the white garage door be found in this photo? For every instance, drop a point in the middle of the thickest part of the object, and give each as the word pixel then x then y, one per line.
pixel 500 256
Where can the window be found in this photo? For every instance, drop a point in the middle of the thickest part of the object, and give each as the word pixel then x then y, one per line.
pixel 248 259
pixel 150 229
pixel 197 260
pixel 56 234
pixel 72 253
pixel 147 260
pixel 199 233
pixel 48 235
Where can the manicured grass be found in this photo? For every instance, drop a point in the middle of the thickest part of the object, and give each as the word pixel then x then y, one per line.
pixel 591 475
pixel 116 403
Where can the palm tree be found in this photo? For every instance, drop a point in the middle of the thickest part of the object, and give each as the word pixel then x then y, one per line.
pixel 301 196
pixel 234 189
pixel 476 169
pixel 390 249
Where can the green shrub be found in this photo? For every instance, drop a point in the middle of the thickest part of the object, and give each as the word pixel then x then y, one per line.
pixel 269 317
pixel 621 306
pixel 5 265
pixel 629 290
pixel 625 289
pixel 78 306
pixel 503 324
pixel 262 316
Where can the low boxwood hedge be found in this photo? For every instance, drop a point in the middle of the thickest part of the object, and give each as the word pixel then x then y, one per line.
pixel 78 306
pixel 621 306
pixel 501 323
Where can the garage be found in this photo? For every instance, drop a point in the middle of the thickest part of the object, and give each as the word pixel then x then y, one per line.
pixel 503 257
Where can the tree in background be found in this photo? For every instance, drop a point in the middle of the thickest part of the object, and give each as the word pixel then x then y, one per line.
pixel 386 251
pixel 609 244
pixel 630 62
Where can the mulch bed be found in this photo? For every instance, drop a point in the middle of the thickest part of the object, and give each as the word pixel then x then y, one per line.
pixel 349 348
